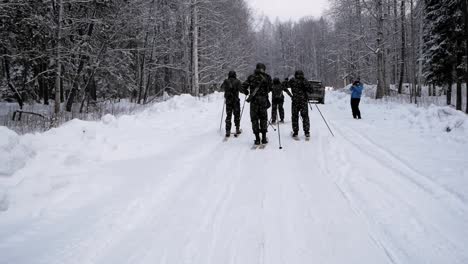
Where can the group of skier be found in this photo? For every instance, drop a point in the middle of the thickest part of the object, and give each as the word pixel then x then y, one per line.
pixel 257 88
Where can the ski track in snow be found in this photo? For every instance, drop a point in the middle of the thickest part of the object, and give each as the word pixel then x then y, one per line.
pixel 173 192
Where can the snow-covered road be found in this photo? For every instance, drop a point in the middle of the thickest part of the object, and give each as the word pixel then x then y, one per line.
pixel 162 187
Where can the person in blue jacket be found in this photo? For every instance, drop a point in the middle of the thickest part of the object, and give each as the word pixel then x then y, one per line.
pixel 356 92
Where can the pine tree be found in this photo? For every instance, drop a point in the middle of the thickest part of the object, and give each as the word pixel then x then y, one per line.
pixel 443 44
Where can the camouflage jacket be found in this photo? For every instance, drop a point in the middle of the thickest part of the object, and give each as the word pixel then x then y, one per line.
pixel 259 80
pixel 231 88
pixel 278 89
pixel 299 89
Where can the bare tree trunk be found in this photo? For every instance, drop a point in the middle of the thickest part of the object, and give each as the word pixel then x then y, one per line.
pixel 465 14
pixel 395 42
pixel 148 81
pixel 387 49
pixel 195 73
pixel 380 52
pixel 76 81
pixel 414 94
pixel 458 105
pixel 187 54
pixel 403 46
pixel 361 34
pixel 58 63
pixel 459 77
pixel 420 59
pixel 45 84
pixel 449 89
pixel 143 60
pixel 12 87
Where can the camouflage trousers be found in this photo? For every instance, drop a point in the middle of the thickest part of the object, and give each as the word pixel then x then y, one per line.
pixel 259 118
pixel 232 108
pixel 300 107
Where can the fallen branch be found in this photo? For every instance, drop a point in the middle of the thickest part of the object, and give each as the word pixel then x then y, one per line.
pixel 21 112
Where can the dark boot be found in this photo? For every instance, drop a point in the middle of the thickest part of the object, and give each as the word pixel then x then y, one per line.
pixel 238 130
pixel 294 134
pixel 228 134
pixel 257 139
pixel 307 134
pixel 264 138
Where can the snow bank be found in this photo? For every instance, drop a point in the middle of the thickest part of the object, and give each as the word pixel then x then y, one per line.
pixel 435 118
pixel 432 119
pixel 77 144
pixel 13 152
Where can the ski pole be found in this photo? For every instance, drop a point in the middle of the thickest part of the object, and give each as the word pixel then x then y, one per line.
pixel 324 120
pixel 242 112
pixel 269 123
pixel 222 115
pixel 279 137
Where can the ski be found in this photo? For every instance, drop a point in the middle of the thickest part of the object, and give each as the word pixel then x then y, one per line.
pixel 295 137
pixel 261 146
pixel 238 134
pixel 255 147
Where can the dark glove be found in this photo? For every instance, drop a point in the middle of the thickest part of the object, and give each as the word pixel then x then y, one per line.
pixel 249 99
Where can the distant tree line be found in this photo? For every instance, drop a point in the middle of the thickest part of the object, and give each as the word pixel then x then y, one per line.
pixel 83 51
pixel 399 45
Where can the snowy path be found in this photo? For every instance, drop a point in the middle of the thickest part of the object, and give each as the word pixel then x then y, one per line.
pixel 164 188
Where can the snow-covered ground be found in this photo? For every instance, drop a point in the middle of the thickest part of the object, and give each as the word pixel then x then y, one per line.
pixel 162 187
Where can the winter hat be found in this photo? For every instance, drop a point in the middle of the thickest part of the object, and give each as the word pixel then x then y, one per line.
pixel 299 74
pixel 232 74
pixel 261 67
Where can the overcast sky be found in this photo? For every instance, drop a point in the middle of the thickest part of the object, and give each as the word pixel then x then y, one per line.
pixel 288 9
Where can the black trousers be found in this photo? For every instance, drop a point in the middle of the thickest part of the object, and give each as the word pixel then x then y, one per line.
pixel 277 105
pixel 232 108
pixel 300 107
pixel 355 107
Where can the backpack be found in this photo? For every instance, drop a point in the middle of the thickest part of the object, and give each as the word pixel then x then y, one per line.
pixel 229 90
pixel 258 82
pixel 277 91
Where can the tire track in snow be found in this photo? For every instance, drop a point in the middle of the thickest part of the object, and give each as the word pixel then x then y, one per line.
pixel 331 220
pixel 342 160
pixel 216 209
pixel 331 145
pixel 396 187
pixel 150 202
pixel 403 168
pixel 160 219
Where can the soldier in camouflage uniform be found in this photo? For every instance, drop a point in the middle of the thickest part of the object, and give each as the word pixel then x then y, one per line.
pixel 231 87
pixel 258 85
pixel 278 100
pixel 299 88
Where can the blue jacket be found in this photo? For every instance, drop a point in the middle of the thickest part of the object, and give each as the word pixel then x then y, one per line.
pixel 356 91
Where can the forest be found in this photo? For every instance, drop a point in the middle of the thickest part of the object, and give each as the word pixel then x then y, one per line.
pixel 75 54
